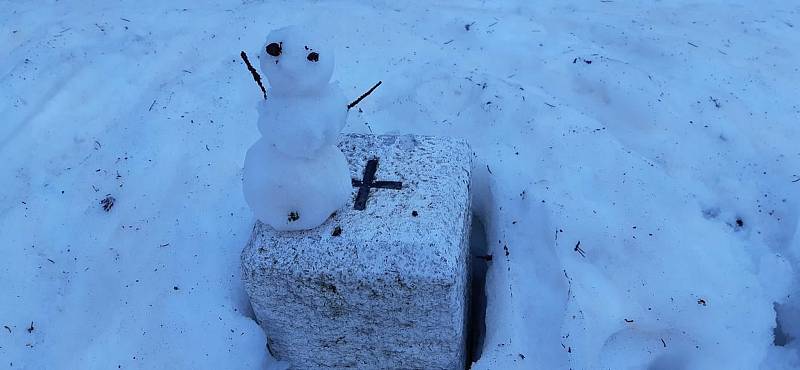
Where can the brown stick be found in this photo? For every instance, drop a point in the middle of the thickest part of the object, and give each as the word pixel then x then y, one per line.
pixel 360 98
pixel 255 74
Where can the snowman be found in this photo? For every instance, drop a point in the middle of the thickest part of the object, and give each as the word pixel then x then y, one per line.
pixel 294 175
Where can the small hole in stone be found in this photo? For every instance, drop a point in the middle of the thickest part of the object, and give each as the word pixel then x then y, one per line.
pixel 414 213
pixel 337 231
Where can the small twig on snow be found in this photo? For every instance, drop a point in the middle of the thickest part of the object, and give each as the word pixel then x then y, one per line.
pixel 360 98
pixel 256 76
pixel 579 249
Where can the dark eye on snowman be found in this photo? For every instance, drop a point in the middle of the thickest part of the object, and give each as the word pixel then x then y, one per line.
pixel 313 56
pixel 274 49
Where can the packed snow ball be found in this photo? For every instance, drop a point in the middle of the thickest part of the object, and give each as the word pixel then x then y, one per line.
pixel 294 193
pixel 296 60
pixel 301 125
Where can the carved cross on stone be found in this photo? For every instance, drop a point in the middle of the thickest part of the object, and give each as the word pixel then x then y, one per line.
pixel 369 182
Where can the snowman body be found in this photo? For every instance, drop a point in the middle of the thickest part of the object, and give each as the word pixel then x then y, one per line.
pixel 294 176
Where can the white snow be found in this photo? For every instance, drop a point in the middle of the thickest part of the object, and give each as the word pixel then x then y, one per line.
pixel 300 127
pixel 292 72
pixel 295 177
pixel 685 121
pixel 295 193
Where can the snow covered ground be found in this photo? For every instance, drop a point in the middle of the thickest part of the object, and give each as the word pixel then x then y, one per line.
pixel 637 173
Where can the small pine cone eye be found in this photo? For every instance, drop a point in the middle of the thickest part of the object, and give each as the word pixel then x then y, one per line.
pixel 274 49
pixel 313 56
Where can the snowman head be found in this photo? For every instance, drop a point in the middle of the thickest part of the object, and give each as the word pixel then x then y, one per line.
pixel 295 61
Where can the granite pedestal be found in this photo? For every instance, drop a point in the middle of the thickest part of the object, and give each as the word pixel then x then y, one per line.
pixel 382 284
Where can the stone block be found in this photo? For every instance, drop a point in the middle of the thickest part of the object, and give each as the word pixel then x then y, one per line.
pixel 383 283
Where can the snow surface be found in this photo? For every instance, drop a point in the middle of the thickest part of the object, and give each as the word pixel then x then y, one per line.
pixel 661 136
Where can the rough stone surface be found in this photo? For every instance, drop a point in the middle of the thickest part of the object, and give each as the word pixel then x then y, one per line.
pixel 382 288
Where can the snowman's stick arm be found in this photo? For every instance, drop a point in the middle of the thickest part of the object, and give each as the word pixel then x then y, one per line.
pixel 255 74
pixel 364 95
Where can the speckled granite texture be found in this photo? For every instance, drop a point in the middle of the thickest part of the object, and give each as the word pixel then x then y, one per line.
pixel 382 288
